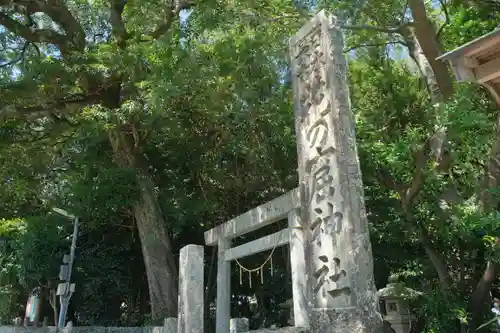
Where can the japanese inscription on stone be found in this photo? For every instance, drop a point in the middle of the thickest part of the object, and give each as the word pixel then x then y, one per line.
pixel 340 289
pixel 319 177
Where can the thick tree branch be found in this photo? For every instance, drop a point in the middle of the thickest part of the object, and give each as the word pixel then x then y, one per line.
pixel 373 45
pixel 435 257
pixel 282 17
pixel 480 296
pixel 387 30
pixel 105 92
pixel 408 193
pixel 118 27
pixel 386 179
pixel 18 59
pixel 59 12
pixel 171 14
pixel 421 159
pixel 69 104
pixel 72 40
pixel 491 180
pixel 55 132
pixel 446 17
pixel 481 293
pixel 34 35
pixel 425 34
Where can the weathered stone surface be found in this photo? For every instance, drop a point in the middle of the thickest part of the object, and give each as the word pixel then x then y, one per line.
pixel 344 321
pixel 155 329
pixel 83 329
pixel 94 329
pixel 239 325
pixel 127 329
pixel 290 329
pixel 259 245
pixel 223 310
pixel 170 325
pixel 254 219
pixel 11 329
pixel 191 289
pixel 341 290
pixel 299 316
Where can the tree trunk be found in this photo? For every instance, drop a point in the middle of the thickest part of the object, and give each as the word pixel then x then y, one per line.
pixel 491 180
pixel 435 257
pixel 479 300
pixel 426 35
pixel 156 247
pixel 424 48
pixel 480 297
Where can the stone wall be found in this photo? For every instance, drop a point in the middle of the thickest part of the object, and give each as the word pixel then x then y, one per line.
pixel 170 326
pixel 241 325
pixel 86 329
pixel 290 329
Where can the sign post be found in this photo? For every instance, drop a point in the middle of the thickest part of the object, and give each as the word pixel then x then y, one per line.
pixel 66 289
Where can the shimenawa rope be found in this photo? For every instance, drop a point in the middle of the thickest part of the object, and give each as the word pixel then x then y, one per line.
pixel 260 268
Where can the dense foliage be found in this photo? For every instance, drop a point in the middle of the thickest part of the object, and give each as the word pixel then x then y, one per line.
pixel 154 121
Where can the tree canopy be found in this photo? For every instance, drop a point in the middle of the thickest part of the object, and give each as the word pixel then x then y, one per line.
pixel 155 121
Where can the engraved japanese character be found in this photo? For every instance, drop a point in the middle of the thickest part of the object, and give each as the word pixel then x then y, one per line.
pixel 331 283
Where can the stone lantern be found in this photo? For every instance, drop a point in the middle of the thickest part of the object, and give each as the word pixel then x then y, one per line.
pixel 394 303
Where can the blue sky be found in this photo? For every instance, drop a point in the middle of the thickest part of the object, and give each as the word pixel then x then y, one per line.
pixel 184 15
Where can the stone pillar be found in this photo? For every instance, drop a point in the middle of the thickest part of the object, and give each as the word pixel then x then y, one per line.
pixel 191 289
pixel 239 325
pixel 223 305
pixel 298 267
pixel 340 287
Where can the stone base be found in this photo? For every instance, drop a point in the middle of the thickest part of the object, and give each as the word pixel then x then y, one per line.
pixel 346 320
pixel 239 325
pixel 289 329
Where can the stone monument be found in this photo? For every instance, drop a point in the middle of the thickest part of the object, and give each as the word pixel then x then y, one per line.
pixel 341 293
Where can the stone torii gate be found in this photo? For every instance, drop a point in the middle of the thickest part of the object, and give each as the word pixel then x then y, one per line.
pixel 331 256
